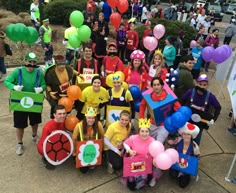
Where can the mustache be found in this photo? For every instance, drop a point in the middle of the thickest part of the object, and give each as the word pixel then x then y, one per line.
pixel 31 66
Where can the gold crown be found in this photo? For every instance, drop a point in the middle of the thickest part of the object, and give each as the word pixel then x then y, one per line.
pixel 90 112
pixel 158 51
pixel 144 123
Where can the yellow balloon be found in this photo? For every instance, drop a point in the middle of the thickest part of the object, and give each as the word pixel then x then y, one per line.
pixel 121 74
pixel 125 85
pixel 109 80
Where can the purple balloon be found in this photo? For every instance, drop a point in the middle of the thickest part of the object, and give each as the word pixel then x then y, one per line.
pixel 219 55
pixel 228 50
pixel 207 53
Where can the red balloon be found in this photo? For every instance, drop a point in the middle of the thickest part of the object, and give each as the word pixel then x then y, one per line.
pixel 73 92
pixel 112 3
pixel 71 122
pixel 67 103
pixel 123 6
pixel 115 19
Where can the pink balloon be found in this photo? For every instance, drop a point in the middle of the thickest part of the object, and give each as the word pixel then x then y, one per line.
pixel 193 43
pixel 150 43
pixel 159 31
pixel 155 148
pixel 174 155
pixel 163 161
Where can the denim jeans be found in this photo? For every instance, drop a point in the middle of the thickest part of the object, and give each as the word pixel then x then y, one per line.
pixel 2 66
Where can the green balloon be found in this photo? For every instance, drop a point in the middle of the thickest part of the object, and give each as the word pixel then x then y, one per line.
pixel 21 31
pixel 33 36
pixel 76 18
pixel 9 30
pixel 84 32
pixel 74 40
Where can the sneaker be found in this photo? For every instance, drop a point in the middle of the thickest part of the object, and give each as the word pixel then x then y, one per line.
pixel 3 77
pixel 35 139
pixel 110 170
pixel 19 149
pixel 152 183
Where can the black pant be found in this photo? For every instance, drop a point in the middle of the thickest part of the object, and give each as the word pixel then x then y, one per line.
pixel 49 53
pixel 114 159
pixel 183 179
pixel 84 170
pixel 227 40
pixel 70 55
pixel 127 54
pixel 121 52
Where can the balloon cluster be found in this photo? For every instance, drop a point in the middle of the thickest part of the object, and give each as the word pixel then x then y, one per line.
pixel 137 96
pixel 218 55
pixel 19 32
pixel 172 78
pixel 151 42
pixel 122 6
pixel 73 93
pixel 84 31
pixel 162 159
pixel 177 119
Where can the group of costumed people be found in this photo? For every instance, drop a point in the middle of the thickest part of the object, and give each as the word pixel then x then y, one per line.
pixel 118 138
pixel 107 108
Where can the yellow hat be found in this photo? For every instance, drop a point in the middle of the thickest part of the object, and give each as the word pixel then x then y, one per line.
pixel 90 112
pixel 144 123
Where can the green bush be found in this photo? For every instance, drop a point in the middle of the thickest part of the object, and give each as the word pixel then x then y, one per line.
pixel 59 11
pixel 172 29
pixel 16 6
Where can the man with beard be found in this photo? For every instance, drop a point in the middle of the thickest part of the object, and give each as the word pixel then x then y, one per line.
pixel 201 99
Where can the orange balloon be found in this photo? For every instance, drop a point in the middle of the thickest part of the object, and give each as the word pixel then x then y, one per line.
pixel 71 122
pixel 74 92
pixel 67 103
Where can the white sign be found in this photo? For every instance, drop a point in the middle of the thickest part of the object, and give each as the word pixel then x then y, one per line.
pixel 232 88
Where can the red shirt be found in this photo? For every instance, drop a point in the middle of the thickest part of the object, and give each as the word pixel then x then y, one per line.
pixel 146 32
pixel 47 130
pixel 113 65
pixel 132 40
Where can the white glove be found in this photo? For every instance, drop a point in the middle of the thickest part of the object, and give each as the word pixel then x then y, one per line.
pixel 38 89
pixel 103 74
pixel 18 87
pixel 211 122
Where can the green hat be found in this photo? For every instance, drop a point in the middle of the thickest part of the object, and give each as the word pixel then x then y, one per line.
pixel 31 56
pixel 45 20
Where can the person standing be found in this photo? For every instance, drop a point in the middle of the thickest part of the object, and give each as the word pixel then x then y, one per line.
pixel 185 80
pixel 35 14
pixel 3 71
pixel 70 51
pixel 169 51
pixel 201 99
pixel 230 31
pixel 45 34
pixel 28 79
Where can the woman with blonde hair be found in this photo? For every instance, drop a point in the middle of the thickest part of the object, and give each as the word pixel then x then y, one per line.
pixel 157 68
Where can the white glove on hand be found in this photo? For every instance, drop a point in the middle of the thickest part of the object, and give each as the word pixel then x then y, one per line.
pixel 211 122
pixel 18 87
pixel 38 90
pixel 103 74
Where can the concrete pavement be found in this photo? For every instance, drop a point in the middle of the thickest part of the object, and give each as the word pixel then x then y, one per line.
pixel 26 173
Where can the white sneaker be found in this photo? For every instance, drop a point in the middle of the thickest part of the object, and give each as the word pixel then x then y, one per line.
pixel 35 139
pixel 19 149
pixel 152 183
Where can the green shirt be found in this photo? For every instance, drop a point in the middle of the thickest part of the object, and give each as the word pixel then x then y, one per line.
pixel 28 80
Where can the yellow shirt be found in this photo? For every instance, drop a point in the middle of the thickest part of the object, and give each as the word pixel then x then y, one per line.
pixel 68 32
pixel 128 96
pixel 93 99
pixel 117 134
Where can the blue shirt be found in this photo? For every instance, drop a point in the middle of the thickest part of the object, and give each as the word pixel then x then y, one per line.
pixel 197 55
